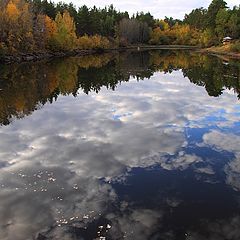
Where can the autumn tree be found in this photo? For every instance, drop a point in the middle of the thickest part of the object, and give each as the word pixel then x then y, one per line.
pixel 180 34
pixel 208 38
pixel 16 26
pixel 50 31
pixel 65 37
pixel 160 36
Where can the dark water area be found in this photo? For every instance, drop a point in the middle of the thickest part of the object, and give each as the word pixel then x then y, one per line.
pixel 141 145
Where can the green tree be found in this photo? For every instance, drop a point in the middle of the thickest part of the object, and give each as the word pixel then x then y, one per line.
pixel 208 38
pixel 222 19
pixel 146 18
pixel 83 20
pixel 234 25
pixel 212 12
pixel 197 18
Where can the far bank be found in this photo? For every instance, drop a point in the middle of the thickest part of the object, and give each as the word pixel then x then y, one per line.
pixel 42 55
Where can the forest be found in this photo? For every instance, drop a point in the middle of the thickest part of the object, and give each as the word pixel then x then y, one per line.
pixel 41 25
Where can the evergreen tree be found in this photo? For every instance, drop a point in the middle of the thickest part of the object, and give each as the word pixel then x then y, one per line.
pixel 212 12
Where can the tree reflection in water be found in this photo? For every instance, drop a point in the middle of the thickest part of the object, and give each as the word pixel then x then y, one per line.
pixel 26 87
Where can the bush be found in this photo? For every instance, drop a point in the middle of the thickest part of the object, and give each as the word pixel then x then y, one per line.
pixel 84 42
pixel 123 42
pixel 235 47
pixel 93 42
pixel 3 49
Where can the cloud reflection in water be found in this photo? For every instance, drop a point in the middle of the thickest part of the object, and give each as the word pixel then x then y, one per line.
pixel 65 169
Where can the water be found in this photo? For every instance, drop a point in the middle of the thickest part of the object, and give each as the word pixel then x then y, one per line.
pixel 127 146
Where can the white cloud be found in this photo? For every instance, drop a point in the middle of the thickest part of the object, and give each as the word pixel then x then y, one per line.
pixel 227 142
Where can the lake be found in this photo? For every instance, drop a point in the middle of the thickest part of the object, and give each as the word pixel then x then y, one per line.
pixel 134 145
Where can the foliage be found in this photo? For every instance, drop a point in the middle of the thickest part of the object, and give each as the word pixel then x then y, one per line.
pixel 93 42
pixel 133 31
pixel 23 31
pixel 65 36
pixel 222 19
pixel 235 47
pixel 207 38
pixel 204 27
pixel 180 34
pixel 234 23
pixel 50 30
pixel 3 49
pixel 216 22
pixel 197 18
pixel 16 26
pixel 213 9
pixel 39 25
pixel 146 18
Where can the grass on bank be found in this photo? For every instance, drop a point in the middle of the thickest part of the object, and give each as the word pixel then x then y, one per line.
pixel 229 49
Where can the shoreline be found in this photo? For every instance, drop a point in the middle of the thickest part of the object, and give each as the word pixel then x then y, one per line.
pixel 45 55
pixel 214 51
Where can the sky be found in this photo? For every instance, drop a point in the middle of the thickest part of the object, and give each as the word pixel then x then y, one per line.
pixel 158 8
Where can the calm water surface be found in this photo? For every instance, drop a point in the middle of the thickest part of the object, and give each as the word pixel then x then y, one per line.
pixel 128 146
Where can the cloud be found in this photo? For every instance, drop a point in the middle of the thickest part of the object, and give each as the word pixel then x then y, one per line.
pixel 136 223
pixel 227 142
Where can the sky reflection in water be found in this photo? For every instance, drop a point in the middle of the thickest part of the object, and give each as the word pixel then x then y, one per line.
pixel 154 159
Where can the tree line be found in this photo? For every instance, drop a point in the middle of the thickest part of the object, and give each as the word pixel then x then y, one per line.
pixel 27 27
pixel 203 27
pixel 39 25
pixel 215 22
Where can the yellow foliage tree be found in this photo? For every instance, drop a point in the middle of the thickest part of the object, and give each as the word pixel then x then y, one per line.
pixel 65 37
pixel 12 10
pixel 22 30
pixel 182 33
pixel 162 25
pixel 179 34
pixel 155 36
pixel 16 26
pixel 84 42
pixel 50 32
pixel 51 27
